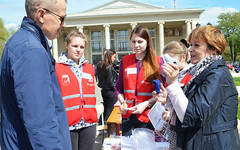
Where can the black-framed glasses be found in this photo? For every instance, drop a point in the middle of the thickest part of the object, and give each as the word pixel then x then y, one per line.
pixel 61 18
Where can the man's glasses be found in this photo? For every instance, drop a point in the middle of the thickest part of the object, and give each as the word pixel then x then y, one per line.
pixel 61 18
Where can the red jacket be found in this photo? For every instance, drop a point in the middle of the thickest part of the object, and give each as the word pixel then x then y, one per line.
pixel 77 107
pixel 130 81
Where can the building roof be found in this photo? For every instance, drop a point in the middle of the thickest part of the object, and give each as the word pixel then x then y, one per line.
pixel 127 8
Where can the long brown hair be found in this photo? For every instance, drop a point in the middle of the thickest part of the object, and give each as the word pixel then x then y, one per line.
pixel 150 63
pixel 107 58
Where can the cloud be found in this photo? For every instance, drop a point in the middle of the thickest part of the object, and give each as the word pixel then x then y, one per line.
pixel 11 26
pixel 211 14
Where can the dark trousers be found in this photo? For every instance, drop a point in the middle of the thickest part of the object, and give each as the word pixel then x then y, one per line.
pixel 109 99
pixel 129 124
pixel 84 138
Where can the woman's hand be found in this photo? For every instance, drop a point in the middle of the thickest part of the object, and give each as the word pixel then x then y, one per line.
pixel 123 107
pixel 160 97
pixel 123 103
pixel 172 71
pixel 139 108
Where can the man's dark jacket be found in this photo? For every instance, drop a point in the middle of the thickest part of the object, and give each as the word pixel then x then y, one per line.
pixel 33 115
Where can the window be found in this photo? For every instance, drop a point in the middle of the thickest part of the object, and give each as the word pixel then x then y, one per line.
pixel 96 41
pixel 122 43
pixel 152 34
pixel 173 31
pixel 119 41
pixel 96 46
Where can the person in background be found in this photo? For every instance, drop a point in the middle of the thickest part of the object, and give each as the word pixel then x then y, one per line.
pixel 178 51
pixel 134 85
pixel 95 66
pixel 207 106
pixel 237 68
pixel 107 78
pixel 76 80
pixel 32 112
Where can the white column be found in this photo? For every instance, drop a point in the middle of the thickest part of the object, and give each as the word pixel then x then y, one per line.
pixel 188 27
pixel 80 28
pixel 107 35
pixel 133 25
pixel 55 49
pixel 194 24
pixel 161 36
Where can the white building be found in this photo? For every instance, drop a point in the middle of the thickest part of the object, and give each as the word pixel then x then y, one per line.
pixel 110 25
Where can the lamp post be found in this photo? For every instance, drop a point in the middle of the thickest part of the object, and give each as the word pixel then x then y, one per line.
pixel 233 48
pixel 209 23
pixel 198 25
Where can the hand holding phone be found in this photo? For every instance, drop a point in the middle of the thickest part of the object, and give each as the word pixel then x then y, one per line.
pixel 167 59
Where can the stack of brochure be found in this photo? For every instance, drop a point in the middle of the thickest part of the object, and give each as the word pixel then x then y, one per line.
pixel 155 116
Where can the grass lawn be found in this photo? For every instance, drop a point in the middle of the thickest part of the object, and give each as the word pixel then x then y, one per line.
pixel 238 114
pixel 237 83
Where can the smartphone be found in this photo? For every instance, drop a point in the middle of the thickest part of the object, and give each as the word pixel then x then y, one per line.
pixel 167 59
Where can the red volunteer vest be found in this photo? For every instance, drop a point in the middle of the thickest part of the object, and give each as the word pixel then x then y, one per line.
pixel 144 88
pixel 77 107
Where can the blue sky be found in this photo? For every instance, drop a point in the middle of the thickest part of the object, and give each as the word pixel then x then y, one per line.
pixel 12 11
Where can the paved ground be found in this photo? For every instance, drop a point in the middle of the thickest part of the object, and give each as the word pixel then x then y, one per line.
pixel 234 74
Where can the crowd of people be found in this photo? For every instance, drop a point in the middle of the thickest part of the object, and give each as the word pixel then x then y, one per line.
pixel 48 104
pixel 233 66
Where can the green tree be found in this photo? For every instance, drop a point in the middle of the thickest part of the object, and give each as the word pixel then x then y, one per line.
pixel 4 35
pixel 12 31
pixel 229 24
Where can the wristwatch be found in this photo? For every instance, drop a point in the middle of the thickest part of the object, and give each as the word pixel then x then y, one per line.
pixel 149 104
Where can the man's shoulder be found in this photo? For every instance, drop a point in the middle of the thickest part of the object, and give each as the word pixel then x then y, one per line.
pixel 23 42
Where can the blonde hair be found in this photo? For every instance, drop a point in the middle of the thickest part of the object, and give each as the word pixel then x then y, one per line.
pixel 212 36
pixel 75 33
pixel 177 48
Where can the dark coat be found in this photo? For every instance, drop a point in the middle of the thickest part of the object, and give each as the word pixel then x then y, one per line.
pixel 32 109
pixel 107 78
pixel 210 121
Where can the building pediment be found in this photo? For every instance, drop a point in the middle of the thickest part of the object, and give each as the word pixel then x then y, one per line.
pixel 118 7
pixel 127 8
pixel 120 4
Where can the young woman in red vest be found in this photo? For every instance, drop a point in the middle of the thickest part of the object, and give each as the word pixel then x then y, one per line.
pixel 134 85
pixel 178 51
pixel 76 80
